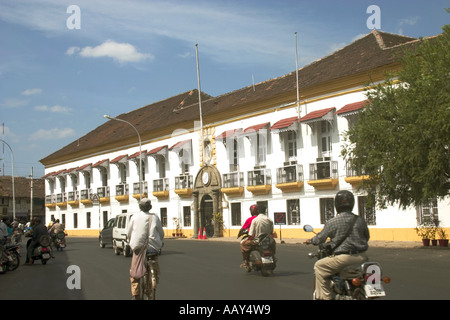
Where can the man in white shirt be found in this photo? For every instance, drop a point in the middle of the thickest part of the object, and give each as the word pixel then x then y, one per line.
pixel 145 225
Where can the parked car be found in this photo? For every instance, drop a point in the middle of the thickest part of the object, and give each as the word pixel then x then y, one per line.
pixel 119 234
pixel 105 237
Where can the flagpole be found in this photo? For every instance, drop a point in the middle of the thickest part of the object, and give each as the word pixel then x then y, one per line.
pixel 296 72
pixel 199 97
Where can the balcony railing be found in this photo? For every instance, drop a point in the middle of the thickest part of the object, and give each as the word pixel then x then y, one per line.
pixel 103 194
pixel 85 196
pixel 259 181
pixel 122 192
pixel 323 174
pixel 161 188
pixel 233 183
pixel 73 198
pixel 290 177
pixel 354 176
pixel 50 200
pixel 184 185
pixel 137 191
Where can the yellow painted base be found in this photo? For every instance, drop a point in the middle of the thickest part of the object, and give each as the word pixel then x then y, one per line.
pixel 393 234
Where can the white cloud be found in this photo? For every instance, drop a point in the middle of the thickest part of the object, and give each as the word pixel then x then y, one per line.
pixel 30 92
pixel 52 134
pixel 120 52
pixel 54 109
pixel 14 103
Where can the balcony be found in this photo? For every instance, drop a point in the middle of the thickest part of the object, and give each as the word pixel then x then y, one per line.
pixel 73 198
pixel 137 191
pixel 184 185
pixel 61 200
pixel 50 201
pixel 259 181
pixel 161 188
pixel 290 177
pixel 122 192
pixel 85 196
pixel 323 175
pixel 103 194
pixel 354 177
pixel 233 184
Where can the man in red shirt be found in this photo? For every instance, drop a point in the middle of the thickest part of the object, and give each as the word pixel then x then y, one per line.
pixel 247 242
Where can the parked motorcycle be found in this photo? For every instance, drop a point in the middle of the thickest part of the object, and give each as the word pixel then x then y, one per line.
pixel 43 251
pixel 59 240
pixel 356 282
pixel 262 256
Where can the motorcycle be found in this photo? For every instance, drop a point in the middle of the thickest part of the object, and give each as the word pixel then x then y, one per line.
pixel 356 282
pixel 59 240
pixel 43 251
pixel 13 253
pixel 262 256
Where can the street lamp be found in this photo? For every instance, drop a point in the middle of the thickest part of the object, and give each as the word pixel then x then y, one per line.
pixel 12 173
pixel 140 151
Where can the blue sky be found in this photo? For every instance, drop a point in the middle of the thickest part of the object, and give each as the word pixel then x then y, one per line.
pixel 56 83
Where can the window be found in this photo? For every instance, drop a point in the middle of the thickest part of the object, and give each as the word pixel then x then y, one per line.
pixel 291 146
pixel 163 214
pixel 236 214
pixel 261 148
pixel 325 130
pixel 293 211
pixel 326 209
pixel 88 220
pixel 187 216
pixel 75 220
pixel 427 213
pixel 234 157
pixel 368 213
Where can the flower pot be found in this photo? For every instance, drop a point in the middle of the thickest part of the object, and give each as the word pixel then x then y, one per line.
pixel 443 242
pixel 434 242
pixel 426 242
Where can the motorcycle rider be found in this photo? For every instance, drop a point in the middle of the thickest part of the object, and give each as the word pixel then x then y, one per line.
pixel 260 224
pixel 38 229
pixel 138 231
pixel 350 251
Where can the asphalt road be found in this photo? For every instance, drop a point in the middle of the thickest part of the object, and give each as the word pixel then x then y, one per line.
pixel 209 270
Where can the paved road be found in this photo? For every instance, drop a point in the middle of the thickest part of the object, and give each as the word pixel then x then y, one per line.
pixel 209 270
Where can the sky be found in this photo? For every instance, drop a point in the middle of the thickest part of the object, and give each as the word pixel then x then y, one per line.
pixel 65 64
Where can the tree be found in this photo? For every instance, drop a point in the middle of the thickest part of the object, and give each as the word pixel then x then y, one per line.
pixel 401 139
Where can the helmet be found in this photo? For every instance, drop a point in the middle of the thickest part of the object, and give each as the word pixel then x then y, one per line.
pixel 254 209
pixel 145 204
pixel 344 201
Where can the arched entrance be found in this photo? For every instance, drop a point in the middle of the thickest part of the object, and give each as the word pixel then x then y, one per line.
pixel 207 202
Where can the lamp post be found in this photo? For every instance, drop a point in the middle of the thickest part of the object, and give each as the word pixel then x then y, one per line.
pixel 140 151
pixel 12 173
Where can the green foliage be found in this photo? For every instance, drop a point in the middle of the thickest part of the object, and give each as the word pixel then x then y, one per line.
pixel 402 138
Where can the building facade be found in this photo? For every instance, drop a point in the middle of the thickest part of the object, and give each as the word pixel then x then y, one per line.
pixel 253 145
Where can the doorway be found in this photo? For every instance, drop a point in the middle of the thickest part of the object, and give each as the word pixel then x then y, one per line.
pixel 206 208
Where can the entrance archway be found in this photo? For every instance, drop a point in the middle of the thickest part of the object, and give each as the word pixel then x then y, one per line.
pixel 207 202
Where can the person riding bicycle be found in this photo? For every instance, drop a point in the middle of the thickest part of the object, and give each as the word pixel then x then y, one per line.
pixel 348 251
pixel 138 232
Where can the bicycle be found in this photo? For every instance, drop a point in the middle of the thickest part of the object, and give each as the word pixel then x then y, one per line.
pixel 148 283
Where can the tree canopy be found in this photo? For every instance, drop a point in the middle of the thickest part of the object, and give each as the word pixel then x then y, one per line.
pixel 401 139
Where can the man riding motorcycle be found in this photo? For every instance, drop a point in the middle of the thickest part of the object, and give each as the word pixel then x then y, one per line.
pixel 38 229
pixel 259 224
pixel 346 250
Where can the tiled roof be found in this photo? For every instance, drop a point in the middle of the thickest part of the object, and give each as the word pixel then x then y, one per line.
pixel 374 50
pixel 351 107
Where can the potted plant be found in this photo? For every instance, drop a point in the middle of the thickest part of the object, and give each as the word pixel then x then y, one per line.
pixel 424 233
pixel 442 237
pixel 433 236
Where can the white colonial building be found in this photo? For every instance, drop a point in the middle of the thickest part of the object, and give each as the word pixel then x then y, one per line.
pixel 256 145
